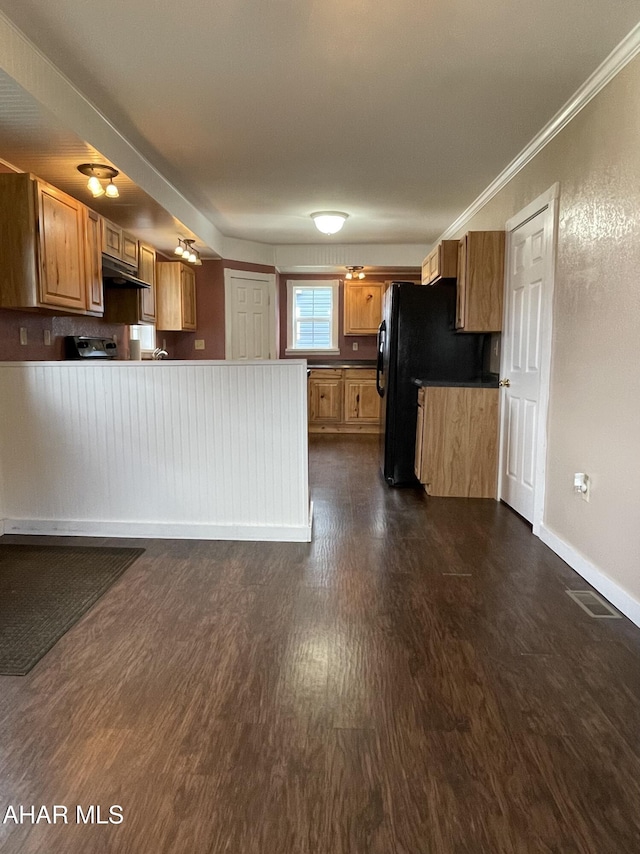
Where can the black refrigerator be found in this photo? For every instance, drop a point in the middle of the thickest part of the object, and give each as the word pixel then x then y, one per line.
pixel 417 340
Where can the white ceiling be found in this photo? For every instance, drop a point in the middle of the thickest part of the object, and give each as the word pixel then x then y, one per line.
pixel 261 112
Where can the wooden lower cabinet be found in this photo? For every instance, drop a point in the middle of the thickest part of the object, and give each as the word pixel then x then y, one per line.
pixel 343 400
pixel 457 441
pixel 325 397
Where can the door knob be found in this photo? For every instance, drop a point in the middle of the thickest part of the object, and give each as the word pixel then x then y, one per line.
pixel 505 383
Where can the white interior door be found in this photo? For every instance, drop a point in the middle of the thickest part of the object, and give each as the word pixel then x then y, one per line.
pixel 525 361
pixel 249 310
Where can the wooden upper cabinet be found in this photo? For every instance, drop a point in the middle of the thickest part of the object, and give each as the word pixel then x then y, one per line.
pixel 441 262
pixel 135 306
pixel 61 232
pixel 147 272
pixel 362 307
pixel 93 263
pixel 111 239
pixel 42 245
pixel 480 285
pixel 119 244
pixel 188 296
pixel 175 296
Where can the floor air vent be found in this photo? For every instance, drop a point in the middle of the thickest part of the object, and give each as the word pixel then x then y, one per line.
pixel 594 605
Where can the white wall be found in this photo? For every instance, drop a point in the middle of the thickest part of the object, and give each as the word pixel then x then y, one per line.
pixel 212 450
pixel 594 419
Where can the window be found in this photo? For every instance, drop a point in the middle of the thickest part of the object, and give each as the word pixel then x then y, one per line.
pixel 312 316
pixel 146 335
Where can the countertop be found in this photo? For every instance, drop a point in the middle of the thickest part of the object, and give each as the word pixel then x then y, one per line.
pixel 487 381
pixel 359 363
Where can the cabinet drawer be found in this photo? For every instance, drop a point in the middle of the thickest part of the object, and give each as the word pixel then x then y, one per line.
pixel 325 373
pixel 360 374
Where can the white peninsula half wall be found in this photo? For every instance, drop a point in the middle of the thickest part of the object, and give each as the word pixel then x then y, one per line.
pixel 201 450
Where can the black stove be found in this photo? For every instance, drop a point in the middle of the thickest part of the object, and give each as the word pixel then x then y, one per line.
pixel 84 347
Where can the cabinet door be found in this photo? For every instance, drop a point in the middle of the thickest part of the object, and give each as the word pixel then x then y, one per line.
pixel 61 250
pixel 419 434
pixel 130 249
pixel 93 263
pixel 361 401
pixel 480 282
pixel 111 239
pixel 362 308
pixel 434 264
pixel 461 285
pixel 147 272
pixel 325 400
pixel 188 296
pixel 460 442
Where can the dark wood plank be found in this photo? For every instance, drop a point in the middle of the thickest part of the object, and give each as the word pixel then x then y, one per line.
pixel 415 681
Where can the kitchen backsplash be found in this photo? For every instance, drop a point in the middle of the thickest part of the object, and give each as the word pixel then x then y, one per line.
pixel 11 322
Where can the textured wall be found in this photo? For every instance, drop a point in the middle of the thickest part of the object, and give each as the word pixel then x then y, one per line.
pixel 594 416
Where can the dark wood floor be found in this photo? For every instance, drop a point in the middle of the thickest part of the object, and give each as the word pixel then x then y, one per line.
pixel 415 681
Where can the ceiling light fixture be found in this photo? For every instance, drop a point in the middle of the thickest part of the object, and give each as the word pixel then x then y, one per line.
pixel 355 272
pixel 329 222
pixel 98 172
pixel 188 252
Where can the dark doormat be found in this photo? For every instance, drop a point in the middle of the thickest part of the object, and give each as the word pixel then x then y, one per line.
pixel 44 590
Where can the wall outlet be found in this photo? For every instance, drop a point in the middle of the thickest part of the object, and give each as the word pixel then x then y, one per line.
pixel 199 344
pixel 355 345
pixel 582 485
pixel 23 335
pixel 47 337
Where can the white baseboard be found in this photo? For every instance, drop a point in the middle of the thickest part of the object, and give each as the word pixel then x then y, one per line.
pixel 160 530
pixel 623 601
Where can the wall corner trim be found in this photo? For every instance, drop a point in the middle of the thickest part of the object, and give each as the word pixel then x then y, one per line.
pixel 619 57
pixel 595 576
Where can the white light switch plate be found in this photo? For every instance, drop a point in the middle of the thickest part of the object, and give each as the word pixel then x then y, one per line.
pixel 199 344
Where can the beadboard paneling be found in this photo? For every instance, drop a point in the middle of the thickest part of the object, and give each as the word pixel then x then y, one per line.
pixel 209 449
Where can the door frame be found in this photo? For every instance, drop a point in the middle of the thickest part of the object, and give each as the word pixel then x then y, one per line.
pixel 547 200
pixel 268 279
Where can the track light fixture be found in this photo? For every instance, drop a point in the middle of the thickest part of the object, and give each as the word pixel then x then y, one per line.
pixel 355 272
pixel 98 172
pixel 185 250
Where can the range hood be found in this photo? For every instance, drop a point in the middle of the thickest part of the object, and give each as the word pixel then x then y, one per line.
pixel 115 274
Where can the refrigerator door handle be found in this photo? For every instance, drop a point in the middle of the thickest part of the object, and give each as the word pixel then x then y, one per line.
pixel 382 330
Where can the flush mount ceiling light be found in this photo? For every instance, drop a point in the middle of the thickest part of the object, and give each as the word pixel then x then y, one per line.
pixel 98 172
pixel 185 250
pixel 329 222
pixel 355 272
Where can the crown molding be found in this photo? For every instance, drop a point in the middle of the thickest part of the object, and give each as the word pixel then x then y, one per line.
pixel 619 57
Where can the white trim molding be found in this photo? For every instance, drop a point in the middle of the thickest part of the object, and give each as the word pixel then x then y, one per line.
pixel 593 575
pixel 619 57
pixel 334 284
